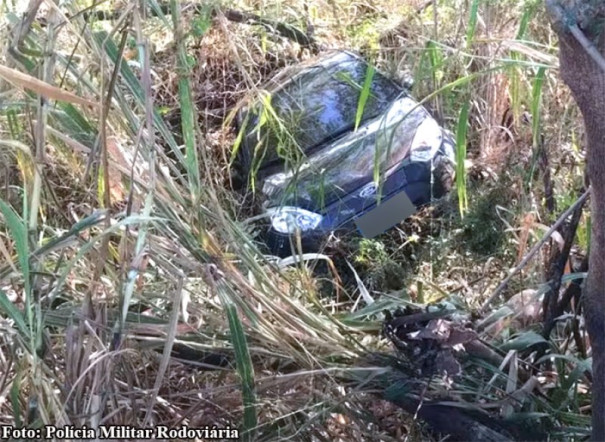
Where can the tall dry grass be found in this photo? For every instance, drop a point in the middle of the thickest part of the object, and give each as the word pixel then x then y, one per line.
pixel 124 244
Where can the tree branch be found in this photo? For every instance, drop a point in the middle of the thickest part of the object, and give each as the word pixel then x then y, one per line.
pixel 534 250
pixel 284 29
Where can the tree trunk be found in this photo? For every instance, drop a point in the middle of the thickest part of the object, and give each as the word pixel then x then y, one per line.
pixel 587 83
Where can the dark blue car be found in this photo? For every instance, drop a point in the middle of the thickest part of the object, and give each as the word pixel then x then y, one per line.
pixel 321 156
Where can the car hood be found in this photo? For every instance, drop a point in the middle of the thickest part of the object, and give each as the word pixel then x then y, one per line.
pixel 405 133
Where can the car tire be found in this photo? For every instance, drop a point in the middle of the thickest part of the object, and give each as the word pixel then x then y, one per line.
pixel 284 245
pixel 443 176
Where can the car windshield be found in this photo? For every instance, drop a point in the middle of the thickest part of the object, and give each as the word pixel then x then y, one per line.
pixel 354 160
pixel 316 106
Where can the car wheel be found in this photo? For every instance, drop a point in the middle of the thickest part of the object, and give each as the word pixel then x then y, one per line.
pixel 284 245
pixel 443 176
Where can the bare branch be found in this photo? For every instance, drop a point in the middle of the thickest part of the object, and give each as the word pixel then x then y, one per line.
pixel 534 250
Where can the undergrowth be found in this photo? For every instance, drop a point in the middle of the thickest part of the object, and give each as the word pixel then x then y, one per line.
pixel 131 264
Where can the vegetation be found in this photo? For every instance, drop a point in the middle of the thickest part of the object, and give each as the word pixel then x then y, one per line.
pixel 134 288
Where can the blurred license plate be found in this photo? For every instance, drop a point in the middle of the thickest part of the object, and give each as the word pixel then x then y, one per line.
pixel 385 215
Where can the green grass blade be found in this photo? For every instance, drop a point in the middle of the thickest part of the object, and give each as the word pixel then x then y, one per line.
pixel 523 341
pixel 188 118
pixel 536 101
pixel 157 9
pixel 515 88
pixel 16 227
pixel 238 141
pixel 525 18
pixel 16 404
pixel 18 230
pixel 436 61
pixel 460 159
pixel 472 22
pixel 73 122
pixel 244 363
pixel 364 95
pixel 13 313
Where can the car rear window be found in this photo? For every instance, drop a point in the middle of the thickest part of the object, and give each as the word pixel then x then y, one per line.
pixel 315 106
